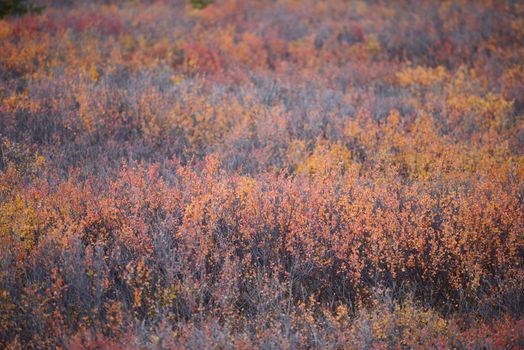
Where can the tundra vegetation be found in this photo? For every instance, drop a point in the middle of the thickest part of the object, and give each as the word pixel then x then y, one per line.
pixel 276 174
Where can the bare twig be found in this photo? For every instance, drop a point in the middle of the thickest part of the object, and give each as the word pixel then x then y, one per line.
pixel 3 163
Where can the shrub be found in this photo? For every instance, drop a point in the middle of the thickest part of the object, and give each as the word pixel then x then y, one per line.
pixel 17 8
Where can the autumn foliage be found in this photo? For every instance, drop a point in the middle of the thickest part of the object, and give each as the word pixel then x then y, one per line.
pixel 262 174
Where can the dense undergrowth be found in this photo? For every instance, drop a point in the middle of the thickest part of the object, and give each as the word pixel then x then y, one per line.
pixel 262 174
